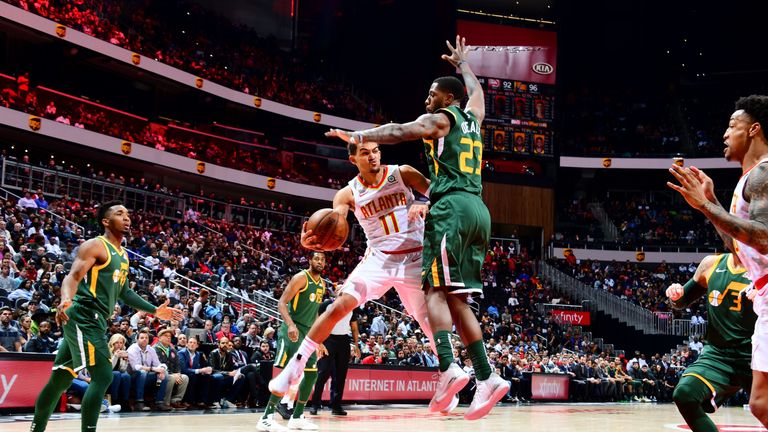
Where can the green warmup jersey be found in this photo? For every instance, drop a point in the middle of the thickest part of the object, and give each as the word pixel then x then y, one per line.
pixel 456 160
pixel 304 305
pixel 97 293
pixel 731 320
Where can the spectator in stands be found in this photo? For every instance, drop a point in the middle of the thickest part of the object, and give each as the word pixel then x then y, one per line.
pixel 264 354
pixel 43 342
pixel 177 382
pixel 146 370
pixel 10 336
pixel 225 374
pixel 27 201
pixel 121 379
pixel 194 365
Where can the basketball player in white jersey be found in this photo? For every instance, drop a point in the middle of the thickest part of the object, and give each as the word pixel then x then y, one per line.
pixel 745 228
pixel 383 202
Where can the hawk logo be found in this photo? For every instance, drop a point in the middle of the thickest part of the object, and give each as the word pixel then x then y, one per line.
pixel 606 162
pixel 493 83
pixel 35 123
pixel 126 147
pixel 317 117
pixel 640 256
pixel 257 102
pixel 271 183
pixel 199 82
pixel 136 59
pixel 200 167
pixel 61 31
pixel 391 179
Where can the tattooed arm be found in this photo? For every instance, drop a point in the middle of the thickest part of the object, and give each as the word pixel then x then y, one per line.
pixel 427 126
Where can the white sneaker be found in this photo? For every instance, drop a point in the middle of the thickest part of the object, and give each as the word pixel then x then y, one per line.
pixel 115 408
pixel 224 404
pixel 301 423
pixel 290 375
pixel 452 406
pixel 216 405
pixel 451 382
pixel 269 424
pixel 488 392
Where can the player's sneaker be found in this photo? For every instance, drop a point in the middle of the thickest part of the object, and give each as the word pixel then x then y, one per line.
pixel 301 423
pixel 269 424
pixel 452 406
pixel 488 392
pixel 290 375
pixel 451 382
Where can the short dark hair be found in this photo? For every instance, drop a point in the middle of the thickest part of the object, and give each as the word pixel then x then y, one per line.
pixel 452 85
pixel 755 106
pixel 104 209
pixel 313 253
pixel 352 149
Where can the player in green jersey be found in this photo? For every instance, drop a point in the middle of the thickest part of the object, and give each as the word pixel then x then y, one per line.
pixel 724 365
pixel 457 227
pixel 99 276
pixel 298 306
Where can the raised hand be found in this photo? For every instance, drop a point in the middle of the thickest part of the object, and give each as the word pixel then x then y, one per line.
pixel 708 186
pixel 458 53
pixel 690 187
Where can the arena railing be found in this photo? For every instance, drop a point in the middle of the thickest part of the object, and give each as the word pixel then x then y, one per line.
pixel 626 312
pixel 55 215
pixel 194 287
pixel 281 263
pixel 18 175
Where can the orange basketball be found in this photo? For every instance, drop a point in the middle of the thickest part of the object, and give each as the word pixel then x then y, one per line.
pixel 329 229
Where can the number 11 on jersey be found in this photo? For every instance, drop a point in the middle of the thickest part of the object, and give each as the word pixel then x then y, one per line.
pixel 386 224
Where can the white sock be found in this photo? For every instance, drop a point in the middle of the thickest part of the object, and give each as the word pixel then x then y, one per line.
pixel 285 399
pixel 307 347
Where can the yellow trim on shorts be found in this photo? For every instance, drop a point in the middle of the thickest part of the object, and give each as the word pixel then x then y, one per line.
pixel 282 360
pixel 68 369
pixel 95 269
pixel 310 369
pixel 704 380
pixel 91 354
pixel 435 274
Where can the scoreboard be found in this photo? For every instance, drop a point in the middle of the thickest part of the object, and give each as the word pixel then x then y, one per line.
pixel 518 117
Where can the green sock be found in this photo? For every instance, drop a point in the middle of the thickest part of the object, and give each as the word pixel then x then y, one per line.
pixel 273 401
pixel 479 358
pixel 101 378
pixel 305 390
pixel 444 349
pixel 49 397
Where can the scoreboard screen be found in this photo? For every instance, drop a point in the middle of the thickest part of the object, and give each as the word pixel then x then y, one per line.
pixel 518 117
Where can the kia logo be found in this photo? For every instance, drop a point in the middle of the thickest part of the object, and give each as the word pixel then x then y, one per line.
pixel 543 68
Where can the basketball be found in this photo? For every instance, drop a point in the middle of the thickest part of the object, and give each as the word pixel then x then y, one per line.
pixel 328 228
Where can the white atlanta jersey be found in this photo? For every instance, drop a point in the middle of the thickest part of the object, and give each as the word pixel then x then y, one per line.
pixel 382 211
pixel 755 263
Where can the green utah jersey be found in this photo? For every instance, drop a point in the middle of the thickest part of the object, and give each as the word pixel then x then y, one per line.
pixel 731 320
pixel 304 305
pixel 98 291
pixel 456 160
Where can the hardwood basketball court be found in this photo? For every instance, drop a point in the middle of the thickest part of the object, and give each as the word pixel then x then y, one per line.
pixel 636 417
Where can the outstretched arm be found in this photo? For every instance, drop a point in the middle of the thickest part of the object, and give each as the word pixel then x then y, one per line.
pixel 458 58
pixel 427 126
pixel 753 231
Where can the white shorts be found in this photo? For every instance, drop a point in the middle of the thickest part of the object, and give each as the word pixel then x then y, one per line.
pixel 760 347
pixel 378 272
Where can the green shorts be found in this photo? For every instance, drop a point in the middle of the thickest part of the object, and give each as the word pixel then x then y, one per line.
pixel 724 371
pixel 456 236
pixel 286 349
pixel 84 342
